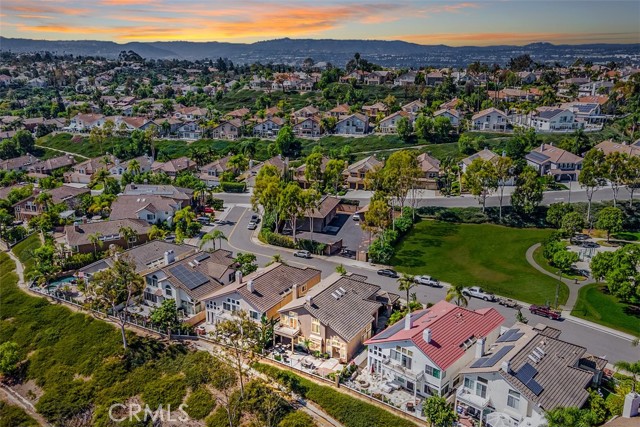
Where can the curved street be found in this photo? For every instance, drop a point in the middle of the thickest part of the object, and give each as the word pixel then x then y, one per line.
pixel 598 340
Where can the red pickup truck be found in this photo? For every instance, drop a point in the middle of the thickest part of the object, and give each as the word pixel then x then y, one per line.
pixel 545 311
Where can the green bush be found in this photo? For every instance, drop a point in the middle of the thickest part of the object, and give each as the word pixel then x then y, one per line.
pixel 233 187
pixel 168 390
pixel 200 403
pixel 276 239
pixel 347 410
pixel 297 419
pixel 13 416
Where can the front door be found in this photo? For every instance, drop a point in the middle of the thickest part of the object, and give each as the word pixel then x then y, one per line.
pixel 410 386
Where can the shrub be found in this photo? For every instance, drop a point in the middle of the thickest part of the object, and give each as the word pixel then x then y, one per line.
pixel 275 239
pixel 167 390
pixel 347 410
pixel 200 403
pixel 11 416
pixel 297 419
pixel 233 187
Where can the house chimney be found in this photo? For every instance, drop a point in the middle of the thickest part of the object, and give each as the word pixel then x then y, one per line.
pixel 506 366
pixel 479 348
pixel 408 322
pixel 238 276
pixel 309 299
pixel 426 335
pixel 294 291
pixel 542 147
pixel 250 286
pixel 169 257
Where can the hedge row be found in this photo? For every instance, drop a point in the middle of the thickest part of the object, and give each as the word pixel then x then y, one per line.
pixel 347 410
pixel 233 187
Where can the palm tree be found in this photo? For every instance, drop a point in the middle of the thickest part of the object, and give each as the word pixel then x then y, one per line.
pixel 200 193
pixel 211 237
pixel 45 200
pixel 127 233
pixel 95 240
pixel 405 283
pixel 455 293
pixel 100 177
pixel 134 167
pixel 249 148
pixel 632 368
pixel 157 233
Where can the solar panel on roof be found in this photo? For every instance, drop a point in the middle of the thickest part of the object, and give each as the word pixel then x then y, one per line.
pixel 534 387
pixel 497 356
pixel 202 257
pixel 190 278
pixel 538 157
pixel 478 363
pixel 526 373
pixel 505 337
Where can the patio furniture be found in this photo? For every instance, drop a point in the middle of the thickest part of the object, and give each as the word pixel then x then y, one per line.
pixel 410 407
pixel 386 388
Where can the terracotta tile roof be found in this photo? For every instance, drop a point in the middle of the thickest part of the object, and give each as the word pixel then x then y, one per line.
pixel 129 206
pixel 450 327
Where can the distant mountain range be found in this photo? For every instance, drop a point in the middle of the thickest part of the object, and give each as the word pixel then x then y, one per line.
pixel 338 52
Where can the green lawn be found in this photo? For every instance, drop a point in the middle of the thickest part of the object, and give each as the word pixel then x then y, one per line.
pixel 24 250
pixel 538 256
pixel 486 255
pixel 596 305
pixel 627 235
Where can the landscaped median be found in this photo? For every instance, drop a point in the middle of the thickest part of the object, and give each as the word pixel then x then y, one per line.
pixel 487 255
pixel 348 410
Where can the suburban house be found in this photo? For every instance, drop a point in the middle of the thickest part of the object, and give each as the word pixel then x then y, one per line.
pixel 609 146
pixel 278 162
pixel 268 127
pixel 354 124
pixel 337 316
pixel 355 174
pixel 378 77
pixel 46 167
pixel 513 95
pixel 261 293
pixel 189 280
pixel 406 79
pixel 299 172
pixel 434 78
pixel 152 209
pixel 146 257
pixel 28 208
pixel 82 172
pixel 86 122
pixel 175 166
pixel 319 218
pixel 339 111
pixel 21 163
pixel 389 124
pixel 489 119
pixel 229 129
pixel 211 173
pixel 429 172
pixel 78 237
pixel 588 112
pixel 550 160
pixel 526 77
pixel 484 154
pixel 306 112
pixel 145 162
pixel 424 352
pixel 177 193
pixel 188 130
pixel 307 126
pixel 414 107
pixel 526 372
pixel 551 119
pixel 375 109
pixel 451 114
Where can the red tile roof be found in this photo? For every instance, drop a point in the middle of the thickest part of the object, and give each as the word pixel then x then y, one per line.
pixel 450 326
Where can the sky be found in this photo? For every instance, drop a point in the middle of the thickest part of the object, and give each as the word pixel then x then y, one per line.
pixel 454 23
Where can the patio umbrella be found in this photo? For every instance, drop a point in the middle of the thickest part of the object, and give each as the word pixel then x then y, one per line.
pixel 500 419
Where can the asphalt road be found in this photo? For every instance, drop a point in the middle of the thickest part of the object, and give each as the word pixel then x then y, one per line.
pixel 597 342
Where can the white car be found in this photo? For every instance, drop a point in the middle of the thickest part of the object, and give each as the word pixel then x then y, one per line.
pixel 478 292
pixel 252 226
pixel 427 280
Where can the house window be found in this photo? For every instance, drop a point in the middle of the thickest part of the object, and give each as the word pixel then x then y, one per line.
pixel 513 399
pixel 148 296
pixel 167 290
pixel 133 239
pixel 150 217
pixel 481 388
pixel 254 315
pixel 231 305
pixel 469 383
pixel 434 372
pixel 315 326
pixel 153 281
pixel 402 356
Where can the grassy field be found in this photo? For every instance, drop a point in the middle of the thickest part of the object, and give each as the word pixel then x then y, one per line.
pixel 627 235
pixel 485 255
pixel 539 258
pixel 79 145
pixel 24 250
pixel 596 305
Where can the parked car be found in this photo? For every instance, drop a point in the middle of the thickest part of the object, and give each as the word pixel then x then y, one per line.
pixel 208 210
pixel 427 280
pixel 204 220
pixel 302 254
pixel 590 245
pixel 508 302
pixel 255 218
pixel 356 217
pixel 478 292
pixel 388 272
pixel 252 226
pixel 545 311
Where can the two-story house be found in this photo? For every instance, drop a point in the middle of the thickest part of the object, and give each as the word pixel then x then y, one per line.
pixel 46 167
pixel 86 122
pixel 374 109
pixel 307 127
pixel 261 293
pixel 189 280
pixel 550 160
pixel 174 167
pixel 211 173
pixel 79 237
pixel 268 127
pixel 429 172
pixel 355 174
pixel 550 119
pixel 353 124
pixel 229 129
pixel 188 130
pixel 390 123
pixel 414 107
pixel 489 119
pixel 299 173
pixel 28 208
pixel 152 209
pixel 336 317
pixel 526 372
pixel 425 351
pixel 82 172
pixel 451 114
